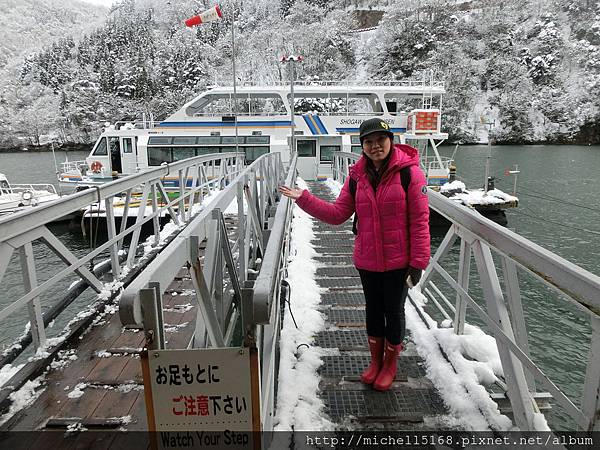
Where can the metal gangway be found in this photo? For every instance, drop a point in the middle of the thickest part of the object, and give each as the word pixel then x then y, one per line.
pixel 228 267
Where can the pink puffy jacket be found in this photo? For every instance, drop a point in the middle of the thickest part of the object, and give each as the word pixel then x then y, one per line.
pixel 389 237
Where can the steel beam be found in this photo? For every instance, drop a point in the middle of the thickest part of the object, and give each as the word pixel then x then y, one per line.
pixel 36 321
pixel 518 392
pixel 590 404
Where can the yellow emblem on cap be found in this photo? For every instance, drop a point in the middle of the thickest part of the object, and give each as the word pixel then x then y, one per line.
pixel 384 125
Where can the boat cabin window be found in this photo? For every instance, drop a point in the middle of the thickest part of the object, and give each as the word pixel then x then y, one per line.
pixel 257 139
pixel 4 187
pixel 159 140
pixel 326 152
pixel 355 144
pixel 184 140
pixel 180 153
pixel 127 145
pixel 159 155
pixel 337 103
pixel 260 104
pixel 306 148
pixel 101 148
pixel 396 103
pixel 363 104
pixel 253 153
pixel 209 139
pixel 264 104
pixel 166 149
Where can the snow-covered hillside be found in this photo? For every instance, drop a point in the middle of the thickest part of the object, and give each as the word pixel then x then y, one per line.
pixel 531 66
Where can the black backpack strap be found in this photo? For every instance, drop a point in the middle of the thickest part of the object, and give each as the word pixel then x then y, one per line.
pixel 352 188
pixel 405 179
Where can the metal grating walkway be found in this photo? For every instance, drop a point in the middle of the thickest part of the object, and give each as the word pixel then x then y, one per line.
pixel 412 403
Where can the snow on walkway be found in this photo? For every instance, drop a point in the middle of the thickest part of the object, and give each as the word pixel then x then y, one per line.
pixel 298 404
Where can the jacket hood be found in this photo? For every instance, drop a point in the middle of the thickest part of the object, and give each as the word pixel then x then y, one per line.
pixel 402 155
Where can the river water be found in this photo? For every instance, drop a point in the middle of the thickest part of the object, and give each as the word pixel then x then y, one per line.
pixel 559 209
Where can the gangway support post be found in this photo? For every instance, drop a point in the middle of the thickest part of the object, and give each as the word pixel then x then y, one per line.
pixel 464 269
pixel 112 232
pixel 590 404
pixel 513 297
pixel 38 332
pixel 152 318
pixel 521 399
pixel 206 311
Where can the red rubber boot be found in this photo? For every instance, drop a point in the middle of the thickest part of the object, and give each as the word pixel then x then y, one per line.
pixel 388 371
pixel 376 348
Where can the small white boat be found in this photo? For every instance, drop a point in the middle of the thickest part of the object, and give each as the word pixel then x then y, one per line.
pixel 17 197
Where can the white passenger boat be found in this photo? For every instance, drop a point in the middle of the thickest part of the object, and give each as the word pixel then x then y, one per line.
pixel 326 119
pixel 17 197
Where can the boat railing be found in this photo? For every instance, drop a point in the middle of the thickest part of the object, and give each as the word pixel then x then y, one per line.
pixel 135 124
pixel 427 82
pixel 33 188
pixel 22 232
pixel 433 162
pixel 73 166
pixel 498 254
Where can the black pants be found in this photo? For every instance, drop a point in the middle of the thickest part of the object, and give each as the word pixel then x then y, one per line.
pixel 385 293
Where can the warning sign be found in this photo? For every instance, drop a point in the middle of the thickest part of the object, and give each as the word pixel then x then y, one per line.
pixel 200 391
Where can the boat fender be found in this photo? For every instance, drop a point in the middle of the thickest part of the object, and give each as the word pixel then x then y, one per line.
pixel 96 166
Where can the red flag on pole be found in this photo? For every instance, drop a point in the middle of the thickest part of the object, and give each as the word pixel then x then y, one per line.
pixel 210 15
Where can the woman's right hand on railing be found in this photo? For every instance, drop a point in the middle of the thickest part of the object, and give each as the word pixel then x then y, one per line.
pixel 292 193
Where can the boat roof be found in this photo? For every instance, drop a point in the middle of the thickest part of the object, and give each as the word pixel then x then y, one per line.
pixel 402 88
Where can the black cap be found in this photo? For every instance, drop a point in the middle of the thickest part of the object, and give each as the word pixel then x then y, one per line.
pixel 375 125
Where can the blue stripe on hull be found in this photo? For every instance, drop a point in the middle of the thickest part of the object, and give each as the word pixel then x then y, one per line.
pixel 310 125
pixel 320 125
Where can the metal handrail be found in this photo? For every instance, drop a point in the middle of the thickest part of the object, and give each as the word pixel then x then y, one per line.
pixel 266 298
pixel 40 187
pixel 410 83
pixel 165 267
pixel 22 222
pixel 578 285
pixel 18 231
pixel 479 236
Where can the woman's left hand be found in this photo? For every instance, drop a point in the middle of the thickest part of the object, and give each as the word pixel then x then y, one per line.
pixel 292 193
pixel 414 275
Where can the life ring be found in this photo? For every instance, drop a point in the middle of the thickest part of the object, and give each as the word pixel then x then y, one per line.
pixel 96 166
pixel 26 198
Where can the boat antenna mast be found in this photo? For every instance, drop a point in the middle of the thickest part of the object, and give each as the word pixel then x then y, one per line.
pixel 293 59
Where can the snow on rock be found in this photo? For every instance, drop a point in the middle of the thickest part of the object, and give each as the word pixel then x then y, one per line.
pixel 298 404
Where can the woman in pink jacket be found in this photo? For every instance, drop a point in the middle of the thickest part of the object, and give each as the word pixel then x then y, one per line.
pixel 392 243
